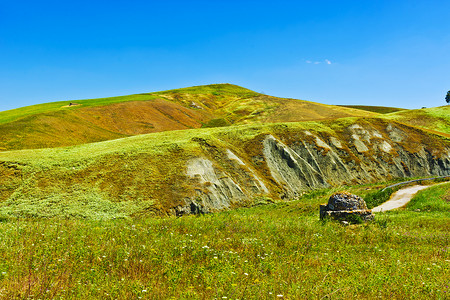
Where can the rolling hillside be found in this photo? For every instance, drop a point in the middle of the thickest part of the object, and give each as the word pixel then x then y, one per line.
pixel 181 152
pixel 435 118
pixel 376 109
pixel 211 169
pixel 70 123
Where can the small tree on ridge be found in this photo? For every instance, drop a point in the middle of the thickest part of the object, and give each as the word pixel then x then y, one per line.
pixel 447 97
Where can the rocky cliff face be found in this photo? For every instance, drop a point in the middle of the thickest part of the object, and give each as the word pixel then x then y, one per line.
pixel 287 166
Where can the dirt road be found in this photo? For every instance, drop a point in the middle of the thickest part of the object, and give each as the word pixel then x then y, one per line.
pixel 400 198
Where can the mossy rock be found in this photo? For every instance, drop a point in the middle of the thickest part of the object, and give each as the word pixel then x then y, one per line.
pixel 344 206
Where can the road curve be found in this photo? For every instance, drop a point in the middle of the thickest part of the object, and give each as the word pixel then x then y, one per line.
pixel 400 198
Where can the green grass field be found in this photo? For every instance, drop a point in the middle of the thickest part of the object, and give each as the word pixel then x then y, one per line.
pixel 266 252
pixel 434 199
pixel 435 118
pixel 84 222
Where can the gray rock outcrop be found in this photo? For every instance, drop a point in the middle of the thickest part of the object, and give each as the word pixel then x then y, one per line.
pixel 347 207
pixel 288 163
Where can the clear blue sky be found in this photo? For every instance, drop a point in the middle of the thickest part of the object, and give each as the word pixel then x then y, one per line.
pixel 392 53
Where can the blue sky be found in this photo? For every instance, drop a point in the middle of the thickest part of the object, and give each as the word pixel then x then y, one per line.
pixel 391 53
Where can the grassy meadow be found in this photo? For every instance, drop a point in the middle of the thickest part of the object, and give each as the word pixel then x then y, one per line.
pixel 89 222
pixel 434 118
pixel 276 251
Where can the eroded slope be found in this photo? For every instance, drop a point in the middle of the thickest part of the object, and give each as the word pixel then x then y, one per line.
pixel 206 170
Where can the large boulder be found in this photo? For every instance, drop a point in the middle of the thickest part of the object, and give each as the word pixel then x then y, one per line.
pixel 347 207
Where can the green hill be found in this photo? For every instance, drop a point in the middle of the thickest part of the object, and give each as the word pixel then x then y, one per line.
pixel 376 109
pixel 84 221
pixel 202 149
pixel 77 122
pixel 436 118
pixel 205 170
